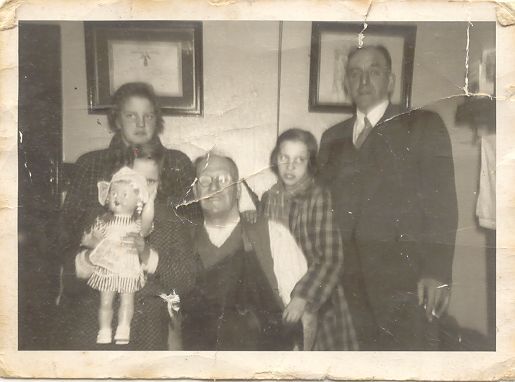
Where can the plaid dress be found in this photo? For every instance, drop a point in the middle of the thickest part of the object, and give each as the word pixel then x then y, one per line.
pixel 314 227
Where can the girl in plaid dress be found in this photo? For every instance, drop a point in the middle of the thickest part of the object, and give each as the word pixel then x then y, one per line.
pixel 306 209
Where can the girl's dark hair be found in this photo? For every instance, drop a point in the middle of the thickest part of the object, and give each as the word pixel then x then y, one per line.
pixel 150 151
pixel 134 89
pixel 298 135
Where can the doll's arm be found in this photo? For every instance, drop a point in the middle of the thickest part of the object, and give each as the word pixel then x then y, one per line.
pixel 147 219
pixel 147 215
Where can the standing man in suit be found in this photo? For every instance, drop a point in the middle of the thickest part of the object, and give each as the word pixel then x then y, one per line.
pixel 392 178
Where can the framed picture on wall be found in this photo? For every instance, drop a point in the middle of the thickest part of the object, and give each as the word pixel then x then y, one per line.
pixel 330 45
pixel 165 54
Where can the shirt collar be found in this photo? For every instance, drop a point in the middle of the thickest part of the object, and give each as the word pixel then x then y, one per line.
pixel 374 114
pixel 220 233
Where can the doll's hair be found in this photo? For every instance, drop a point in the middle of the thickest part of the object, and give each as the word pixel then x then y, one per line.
pixel 137 191
pixel 296 135
pixel 127 176
pixel 135 187
pixel 151 152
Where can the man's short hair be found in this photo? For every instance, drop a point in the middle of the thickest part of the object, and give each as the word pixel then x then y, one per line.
pixel 380 48
pixel 206 157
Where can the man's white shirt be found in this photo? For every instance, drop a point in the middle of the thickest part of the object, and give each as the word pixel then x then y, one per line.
pixel 218 234
pixel 374 115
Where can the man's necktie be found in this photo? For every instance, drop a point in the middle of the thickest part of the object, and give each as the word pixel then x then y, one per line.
pixel 364 133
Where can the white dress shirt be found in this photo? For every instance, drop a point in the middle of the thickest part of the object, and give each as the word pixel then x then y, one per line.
pixel 374 115
pixel 219 234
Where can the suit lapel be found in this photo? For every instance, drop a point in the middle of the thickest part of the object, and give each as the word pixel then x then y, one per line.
pixel 392 111
pixel 257 239
pixel 346 130
pixel 349 128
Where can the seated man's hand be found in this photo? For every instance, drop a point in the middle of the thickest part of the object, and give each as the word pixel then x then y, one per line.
pixel 434 295
pixel 152 192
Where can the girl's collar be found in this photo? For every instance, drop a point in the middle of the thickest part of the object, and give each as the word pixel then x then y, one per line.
pixel 298 191
pixel 117 143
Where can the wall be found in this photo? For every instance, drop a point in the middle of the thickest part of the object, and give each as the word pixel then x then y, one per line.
pixel 82 132
pixel 295 83
pixel 241 101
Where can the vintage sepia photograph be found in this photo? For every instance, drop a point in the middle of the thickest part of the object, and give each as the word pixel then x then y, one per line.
pixel 256 190
pixel 256 186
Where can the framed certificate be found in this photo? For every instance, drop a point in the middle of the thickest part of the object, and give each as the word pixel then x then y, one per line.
pixel 165 54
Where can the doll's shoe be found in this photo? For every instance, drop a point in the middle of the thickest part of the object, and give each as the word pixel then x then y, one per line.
pixel 105 336
pixel 122 335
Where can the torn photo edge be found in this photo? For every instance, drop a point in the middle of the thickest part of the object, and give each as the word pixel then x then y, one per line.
pixel 498 365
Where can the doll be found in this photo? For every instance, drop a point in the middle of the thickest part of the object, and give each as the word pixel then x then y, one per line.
pixel 116 260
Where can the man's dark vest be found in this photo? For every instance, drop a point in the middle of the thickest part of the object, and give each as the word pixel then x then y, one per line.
pixel 235 305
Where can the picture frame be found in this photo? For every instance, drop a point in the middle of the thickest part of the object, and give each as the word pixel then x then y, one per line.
pixel 165 54
pixel 330 44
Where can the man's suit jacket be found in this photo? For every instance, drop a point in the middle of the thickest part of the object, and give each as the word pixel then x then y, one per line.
pixel 395 197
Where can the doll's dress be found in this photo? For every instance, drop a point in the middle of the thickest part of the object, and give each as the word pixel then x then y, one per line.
pixel 117 265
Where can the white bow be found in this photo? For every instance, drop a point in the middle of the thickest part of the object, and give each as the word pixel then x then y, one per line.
pixel 172 302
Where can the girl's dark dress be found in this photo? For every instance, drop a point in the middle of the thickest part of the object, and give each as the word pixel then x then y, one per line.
pixel 76 324
pixel 81 205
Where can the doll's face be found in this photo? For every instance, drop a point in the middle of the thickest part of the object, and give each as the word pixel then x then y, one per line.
pixel 123 198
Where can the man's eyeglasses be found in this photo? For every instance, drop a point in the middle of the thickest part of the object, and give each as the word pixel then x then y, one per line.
pixel 221 180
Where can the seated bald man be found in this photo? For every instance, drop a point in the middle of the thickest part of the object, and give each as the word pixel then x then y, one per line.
pixel 238 302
